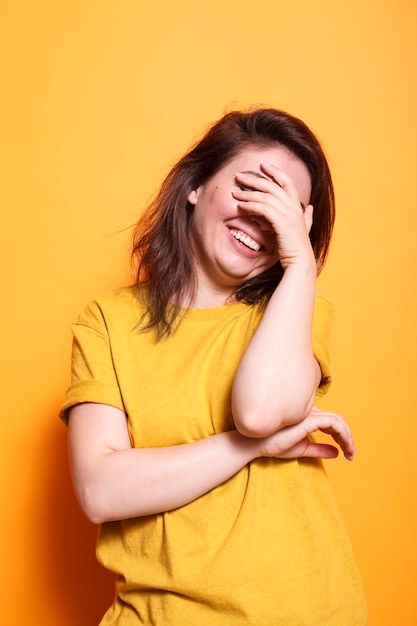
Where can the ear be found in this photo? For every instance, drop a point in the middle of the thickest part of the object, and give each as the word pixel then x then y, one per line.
pixel 192 197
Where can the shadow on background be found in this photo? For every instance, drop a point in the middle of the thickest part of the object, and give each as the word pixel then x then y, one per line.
pixel 80 586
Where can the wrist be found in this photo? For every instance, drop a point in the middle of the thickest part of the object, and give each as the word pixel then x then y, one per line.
pixel 304 266
pixel 249 447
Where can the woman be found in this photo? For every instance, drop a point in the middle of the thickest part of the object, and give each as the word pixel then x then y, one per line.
pixel 191 405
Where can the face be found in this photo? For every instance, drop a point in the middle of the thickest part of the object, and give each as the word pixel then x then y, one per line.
pixel 224 261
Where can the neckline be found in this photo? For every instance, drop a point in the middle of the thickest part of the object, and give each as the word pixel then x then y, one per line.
pixel 218 312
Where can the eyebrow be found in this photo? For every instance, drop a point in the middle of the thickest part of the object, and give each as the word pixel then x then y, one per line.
pixel 259 175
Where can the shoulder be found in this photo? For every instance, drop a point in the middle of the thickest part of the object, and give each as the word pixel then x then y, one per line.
pixel 123 304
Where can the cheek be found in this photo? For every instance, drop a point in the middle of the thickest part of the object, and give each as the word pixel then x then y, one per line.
pixel 201 220
pixel 214 206
pixel 209 208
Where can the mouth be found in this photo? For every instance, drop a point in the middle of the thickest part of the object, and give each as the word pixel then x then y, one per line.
pixel 245 240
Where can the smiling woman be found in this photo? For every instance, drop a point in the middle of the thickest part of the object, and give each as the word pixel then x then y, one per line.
pixel 191 404
pixel 162 244
pixel 235 230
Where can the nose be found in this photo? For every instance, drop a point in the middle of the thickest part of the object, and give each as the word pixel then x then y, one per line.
pixel 261 222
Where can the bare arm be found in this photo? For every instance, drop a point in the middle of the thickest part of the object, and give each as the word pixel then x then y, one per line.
pixel 278 375
pixel 114 481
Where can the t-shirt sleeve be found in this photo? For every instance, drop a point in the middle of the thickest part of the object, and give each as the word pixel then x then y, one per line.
pixel 322 321
pixel 93 378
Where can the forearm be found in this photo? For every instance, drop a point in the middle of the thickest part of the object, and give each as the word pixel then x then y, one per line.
pixel 134 482
pixel 278 375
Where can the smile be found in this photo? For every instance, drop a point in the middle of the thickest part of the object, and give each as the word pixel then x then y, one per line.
pixel 245 239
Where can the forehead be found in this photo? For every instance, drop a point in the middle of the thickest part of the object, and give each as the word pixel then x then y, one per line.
pixel 255 155
pixel 250 160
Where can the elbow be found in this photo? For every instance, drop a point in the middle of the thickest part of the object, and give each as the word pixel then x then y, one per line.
pixel 95 516
pixel 262 422
pixel 92 506
pixel 257 424
pixel 255 431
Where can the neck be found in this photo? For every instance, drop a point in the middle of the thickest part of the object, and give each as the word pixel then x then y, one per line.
pixel 207 297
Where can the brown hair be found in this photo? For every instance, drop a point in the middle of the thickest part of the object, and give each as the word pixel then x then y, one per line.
pixel 161 248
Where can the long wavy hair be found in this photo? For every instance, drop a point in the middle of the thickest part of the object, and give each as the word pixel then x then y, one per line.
pixel 161 252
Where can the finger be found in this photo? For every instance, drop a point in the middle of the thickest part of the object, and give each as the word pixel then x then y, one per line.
pixel 252 195
pixel 282 179
pixel 346 445
pixel 271 206
pixel 310 449
pixel 334 425
pixel 342 436
pixel 249 182
pixel 321 450
pixel 253 180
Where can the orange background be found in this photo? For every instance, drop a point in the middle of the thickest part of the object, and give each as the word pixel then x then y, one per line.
pixel 99 99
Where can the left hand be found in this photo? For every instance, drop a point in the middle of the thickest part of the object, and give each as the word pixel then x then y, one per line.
pixel 294 441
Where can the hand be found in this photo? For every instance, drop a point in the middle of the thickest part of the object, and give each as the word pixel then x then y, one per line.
pixel 293 441
pixel 276 200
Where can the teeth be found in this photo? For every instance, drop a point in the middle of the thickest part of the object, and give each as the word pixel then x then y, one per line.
pixel 245 239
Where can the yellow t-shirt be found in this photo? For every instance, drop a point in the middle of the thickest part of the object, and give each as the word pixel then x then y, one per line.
pixel 267 547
